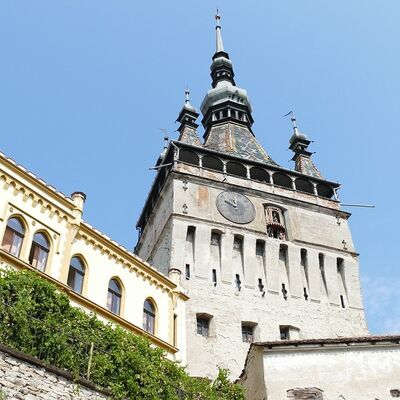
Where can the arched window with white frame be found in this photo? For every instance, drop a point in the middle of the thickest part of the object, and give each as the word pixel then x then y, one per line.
pixel 114 296
pixel 149 316
pixel 40 250
pixel 76 274
pixel 13 236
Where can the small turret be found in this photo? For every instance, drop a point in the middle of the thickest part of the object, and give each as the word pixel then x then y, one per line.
pixel 187 118
pixel 302 157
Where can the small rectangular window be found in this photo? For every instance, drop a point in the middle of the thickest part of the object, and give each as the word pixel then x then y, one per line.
pixel 238 243
pixel 342 301
pixel 284 291
pixel 284 332
pixel 187 272
pixel 214 277
pixel 238 282
pixel 247 333
pixel 260 248
pixel 203 326
pixel 175 330
pixel 215 239
pixel 339 264
pixel 303 255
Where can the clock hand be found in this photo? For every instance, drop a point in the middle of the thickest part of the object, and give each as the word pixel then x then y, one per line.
pixel 231 204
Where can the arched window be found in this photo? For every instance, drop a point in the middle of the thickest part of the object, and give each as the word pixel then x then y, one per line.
pixel 214 163
pixel 149 317
pixel 189 157
pixel 282 180
pixel 13 236
pixel 259 174
pixel 304 186
pixel 76 274
pixel 237 169
pixel 114 296
pixel 39 251
pixel 324 191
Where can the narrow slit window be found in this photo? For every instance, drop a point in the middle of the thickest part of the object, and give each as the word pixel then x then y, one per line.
pixel 260 285
pixel 175 339
pixel 238 282
pixel 214 277
pixel 342 301
pixel 187 271
pixel 284 291
pixel 321 259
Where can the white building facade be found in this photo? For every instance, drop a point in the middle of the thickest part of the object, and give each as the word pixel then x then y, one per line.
pixel 331 369
pixel 264 252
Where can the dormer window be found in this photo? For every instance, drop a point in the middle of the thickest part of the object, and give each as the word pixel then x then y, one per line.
pixel 275 223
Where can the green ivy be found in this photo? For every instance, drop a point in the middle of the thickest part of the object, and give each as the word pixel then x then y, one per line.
pixel 37 319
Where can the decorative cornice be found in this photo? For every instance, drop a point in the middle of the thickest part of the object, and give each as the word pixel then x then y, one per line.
pixel 34 196
pixel 127 258
pixel 36 181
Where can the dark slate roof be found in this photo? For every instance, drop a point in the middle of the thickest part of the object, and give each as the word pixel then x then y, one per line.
pixel 189 135
pixel 236 140
pixel 305 165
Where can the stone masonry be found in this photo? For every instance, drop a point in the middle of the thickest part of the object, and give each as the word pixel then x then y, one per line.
pixel 24 377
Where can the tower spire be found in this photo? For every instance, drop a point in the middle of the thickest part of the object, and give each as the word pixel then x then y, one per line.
pixel 226 109
pixel 219 43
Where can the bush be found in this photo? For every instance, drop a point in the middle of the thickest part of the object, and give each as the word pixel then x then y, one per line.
pixel 37 319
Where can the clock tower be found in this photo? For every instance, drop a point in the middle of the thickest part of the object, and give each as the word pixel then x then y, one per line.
pixel 264 252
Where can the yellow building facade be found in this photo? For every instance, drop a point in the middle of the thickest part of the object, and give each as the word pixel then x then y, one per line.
pixel 42 229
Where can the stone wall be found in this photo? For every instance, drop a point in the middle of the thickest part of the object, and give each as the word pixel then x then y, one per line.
pixel 24 377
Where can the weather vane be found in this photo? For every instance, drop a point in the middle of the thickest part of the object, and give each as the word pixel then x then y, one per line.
pixel 217 17
pixel 292 118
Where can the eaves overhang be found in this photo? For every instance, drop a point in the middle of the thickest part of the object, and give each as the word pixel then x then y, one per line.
pixel 273 167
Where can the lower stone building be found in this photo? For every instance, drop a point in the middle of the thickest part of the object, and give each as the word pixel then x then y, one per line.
pixel 355 368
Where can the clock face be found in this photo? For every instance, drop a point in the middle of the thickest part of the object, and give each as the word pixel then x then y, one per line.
pixel 235 207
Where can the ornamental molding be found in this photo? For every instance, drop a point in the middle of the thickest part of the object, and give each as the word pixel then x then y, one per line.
pixel 127 259
pixel 30 195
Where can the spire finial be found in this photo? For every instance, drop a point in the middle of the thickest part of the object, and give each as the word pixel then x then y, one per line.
pixel 187 93
pixel 294 122
pixel 218 18
pixel 219 43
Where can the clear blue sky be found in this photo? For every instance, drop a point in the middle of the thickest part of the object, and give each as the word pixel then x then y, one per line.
pixel 85 86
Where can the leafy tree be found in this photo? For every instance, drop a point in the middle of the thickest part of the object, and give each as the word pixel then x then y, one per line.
pixel 37 319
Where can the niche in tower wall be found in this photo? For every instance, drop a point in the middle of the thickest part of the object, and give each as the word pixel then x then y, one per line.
pixel 275 223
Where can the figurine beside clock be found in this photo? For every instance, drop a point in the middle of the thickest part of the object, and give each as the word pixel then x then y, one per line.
pixel 235 207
